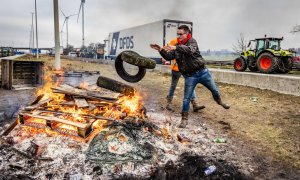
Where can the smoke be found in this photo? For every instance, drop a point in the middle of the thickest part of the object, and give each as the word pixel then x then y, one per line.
pixel 216 23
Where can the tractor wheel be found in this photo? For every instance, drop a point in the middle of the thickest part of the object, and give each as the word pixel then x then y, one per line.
pixel 240 64
pixel 126 76
pixel 267 63
pixel 286 65
pixel 253 69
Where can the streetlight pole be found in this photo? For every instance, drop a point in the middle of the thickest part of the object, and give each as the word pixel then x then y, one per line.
pixel 36 33
pixel 56 35
pixel 31 41
pixel 83 1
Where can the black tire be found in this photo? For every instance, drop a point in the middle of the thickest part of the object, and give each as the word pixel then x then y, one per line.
pixel 134 58
pixel 240 64
pixel 124 75
pixel 114 85
pixel 297 65
pixel 285 65
pixel 253 69
pixel 267 63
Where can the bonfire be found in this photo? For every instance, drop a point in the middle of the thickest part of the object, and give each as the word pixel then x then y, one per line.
pixel 91 132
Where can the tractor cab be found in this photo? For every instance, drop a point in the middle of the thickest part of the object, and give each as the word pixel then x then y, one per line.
pixel 260 44
pixel 268 43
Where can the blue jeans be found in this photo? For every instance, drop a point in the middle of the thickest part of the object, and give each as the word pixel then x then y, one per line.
pixel 204 77
pixel 175 78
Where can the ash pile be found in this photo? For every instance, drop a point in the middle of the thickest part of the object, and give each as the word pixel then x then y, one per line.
pixel 96 132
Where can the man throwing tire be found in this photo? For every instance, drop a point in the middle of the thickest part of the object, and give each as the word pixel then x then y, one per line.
pixel 175 75
pixel 192 67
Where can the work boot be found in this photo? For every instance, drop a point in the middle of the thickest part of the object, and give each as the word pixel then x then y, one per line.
pixel 196 107
pixel 219 101
pixel 169 105
pixel 184 119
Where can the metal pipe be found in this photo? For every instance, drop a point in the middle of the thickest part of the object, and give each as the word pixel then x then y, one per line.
pixel 36 33
pixel 56 35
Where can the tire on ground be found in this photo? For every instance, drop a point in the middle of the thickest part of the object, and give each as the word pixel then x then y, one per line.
pixel 134 58
pixel 286 65
pixel 267 63
pixel 124 75
pixel 240 64
pixel 114 85
pixel 253 69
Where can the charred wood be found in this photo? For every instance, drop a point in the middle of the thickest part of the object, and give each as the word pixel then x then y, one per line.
pixel 116 86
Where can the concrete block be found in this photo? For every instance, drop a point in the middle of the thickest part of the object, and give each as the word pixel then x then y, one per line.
pixel 285 84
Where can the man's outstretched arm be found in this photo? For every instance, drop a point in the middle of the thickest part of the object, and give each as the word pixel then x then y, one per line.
pixel 168 55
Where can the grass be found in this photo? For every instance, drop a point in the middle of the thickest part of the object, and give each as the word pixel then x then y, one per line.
pixel 295 72
pixel 219 66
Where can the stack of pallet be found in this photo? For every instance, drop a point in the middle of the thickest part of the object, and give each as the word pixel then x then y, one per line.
pixel 78 110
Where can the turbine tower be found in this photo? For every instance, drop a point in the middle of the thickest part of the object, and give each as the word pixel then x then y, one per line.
pixel 82 7
pixel 61 38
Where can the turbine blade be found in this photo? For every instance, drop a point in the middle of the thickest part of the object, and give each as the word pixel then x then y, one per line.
pixel 62 12
pixel 79 12
pixel 64 23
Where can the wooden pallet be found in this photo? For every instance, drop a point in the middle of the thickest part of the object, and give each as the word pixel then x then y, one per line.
pixel 83 129
pixel 90 97
pixel 21 72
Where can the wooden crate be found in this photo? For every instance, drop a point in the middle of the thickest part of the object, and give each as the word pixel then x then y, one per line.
pixel 21 73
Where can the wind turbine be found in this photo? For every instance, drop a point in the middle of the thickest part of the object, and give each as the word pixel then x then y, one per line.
pixel 82 7
pixel 67 26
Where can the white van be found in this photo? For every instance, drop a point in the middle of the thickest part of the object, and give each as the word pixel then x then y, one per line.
pixel 72 54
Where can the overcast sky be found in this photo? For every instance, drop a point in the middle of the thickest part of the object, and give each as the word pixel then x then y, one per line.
pixel 217 23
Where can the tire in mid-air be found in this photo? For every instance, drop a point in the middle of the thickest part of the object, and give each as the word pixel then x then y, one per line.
pixel 126 76
pixel 134 58
pixel 240 64
pixel 267 63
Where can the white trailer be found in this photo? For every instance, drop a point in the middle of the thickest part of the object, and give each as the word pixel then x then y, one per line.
pixel 139 38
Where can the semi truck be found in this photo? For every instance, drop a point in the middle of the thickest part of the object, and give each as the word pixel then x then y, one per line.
pixel 139 38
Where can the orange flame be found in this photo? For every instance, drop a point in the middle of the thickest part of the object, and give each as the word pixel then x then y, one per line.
pixel 130 104
pixel 125 106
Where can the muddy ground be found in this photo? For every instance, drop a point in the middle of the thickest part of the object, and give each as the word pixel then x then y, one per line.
pixel 262 127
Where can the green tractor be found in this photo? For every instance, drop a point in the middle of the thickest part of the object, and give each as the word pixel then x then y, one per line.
pixel 265 56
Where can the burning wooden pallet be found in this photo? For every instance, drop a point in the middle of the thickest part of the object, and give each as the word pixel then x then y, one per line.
pixel 77 111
